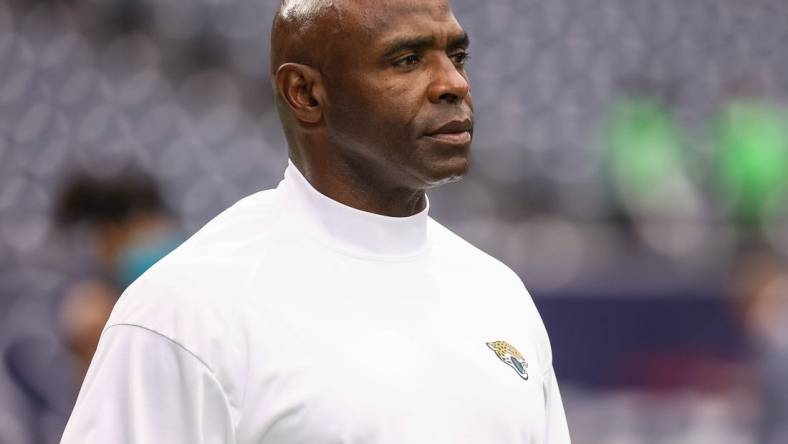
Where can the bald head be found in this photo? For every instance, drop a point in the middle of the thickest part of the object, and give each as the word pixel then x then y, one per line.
pixel 314 32
pixel 300 30
pixel 302 9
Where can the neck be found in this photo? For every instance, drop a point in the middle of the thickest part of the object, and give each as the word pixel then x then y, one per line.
pixel 360 187
pixel 347 228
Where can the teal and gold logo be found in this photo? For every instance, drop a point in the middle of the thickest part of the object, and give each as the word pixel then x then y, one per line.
pixel 510 356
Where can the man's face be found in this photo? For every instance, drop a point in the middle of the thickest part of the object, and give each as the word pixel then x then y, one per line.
pixel 399 100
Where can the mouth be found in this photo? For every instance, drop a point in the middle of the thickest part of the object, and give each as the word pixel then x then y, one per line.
pixel 456 132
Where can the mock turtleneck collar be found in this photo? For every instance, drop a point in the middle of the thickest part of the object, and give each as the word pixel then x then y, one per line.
pixel 352 230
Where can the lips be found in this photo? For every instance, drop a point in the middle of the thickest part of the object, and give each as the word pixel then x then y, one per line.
pixel 456 132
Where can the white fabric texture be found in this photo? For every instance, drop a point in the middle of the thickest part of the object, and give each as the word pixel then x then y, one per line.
pixel 291 318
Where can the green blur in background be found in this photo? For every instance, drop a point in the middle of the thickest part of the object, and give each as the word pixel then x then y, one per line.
pixel 751 136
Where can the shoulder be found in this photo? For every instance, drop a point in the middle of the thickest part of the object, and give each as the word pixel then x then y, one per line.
pixel 254 218
pixel 211 264
pixel 216 260
pixel 203 276
pixel 178 308
pixel 199 288
pixel 503 287
pixel 193 296
pixel 458 252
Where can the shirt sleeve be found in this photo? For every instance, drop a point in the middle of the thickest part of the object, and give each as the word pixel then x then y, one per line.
pixel 143 387
pixel 557 429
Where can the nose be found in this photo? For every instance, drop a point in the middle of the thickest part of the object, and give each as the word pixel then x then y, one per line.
pixel 449 83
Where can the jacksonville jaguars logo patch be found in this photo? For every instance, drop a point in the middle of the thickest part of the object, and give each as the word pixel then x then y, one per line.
pixel 510 356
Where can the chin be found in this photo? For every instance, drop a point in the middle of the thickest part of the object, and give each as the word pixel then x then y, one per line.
pixel 447 171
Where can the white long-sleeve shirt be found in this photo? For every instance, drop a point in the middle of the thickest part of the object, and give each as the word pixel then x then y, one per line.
pixel 291 319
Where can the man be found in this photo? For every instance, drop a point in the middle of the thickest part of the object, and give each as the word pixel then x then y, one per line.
pixel 333 309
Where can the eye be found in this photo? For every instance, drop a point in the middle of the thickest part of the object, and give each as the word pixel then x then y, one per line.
pixel 460 58
pixel 408 60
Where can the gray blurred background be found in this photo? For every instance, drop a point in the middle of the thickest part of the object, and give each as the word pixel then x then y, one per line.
pixel 629 161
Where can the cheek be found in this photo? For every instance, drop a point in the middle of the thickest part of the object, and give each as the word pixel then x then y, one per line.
pixel 387 117
pixel 395 98
pixel 381 111
pixel 406 99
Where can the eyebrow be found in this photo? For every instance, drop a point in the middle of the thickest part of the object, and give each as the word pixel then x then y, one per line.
pixel 420 43
pixel 461 41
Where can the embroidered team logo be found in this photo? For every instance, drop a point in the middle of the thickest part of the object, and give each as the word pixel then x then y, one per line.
pixel 509 355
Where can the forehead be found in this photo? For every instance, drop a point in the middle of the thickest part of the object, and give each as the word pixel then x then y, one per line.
pixel 375 21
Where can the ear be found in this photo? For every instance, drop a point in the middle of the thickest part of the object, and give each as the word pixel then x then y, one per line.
pixel 301 88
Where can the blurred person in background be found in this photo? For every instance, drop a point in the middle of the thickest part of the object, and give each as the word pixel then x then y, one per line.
pixel 49 342
pixel 760 290
pixel 647 162
pixel 332 308
pixel 750 134
pixel 130 229
pixel 644 146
